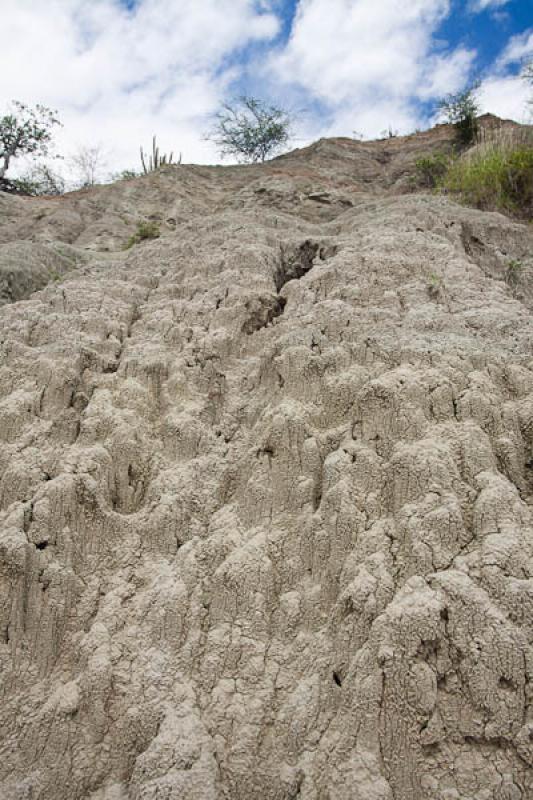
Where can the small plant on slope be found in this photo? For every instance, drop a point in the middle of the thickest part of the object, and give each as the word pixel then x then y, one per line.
pixel 145 230
pixel 435 285
pixel 431 169
pixel 513 272
pixel 124 175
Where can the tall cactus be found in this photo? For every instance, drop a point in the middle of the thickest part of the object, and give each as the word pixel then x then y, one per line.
pixel 156 161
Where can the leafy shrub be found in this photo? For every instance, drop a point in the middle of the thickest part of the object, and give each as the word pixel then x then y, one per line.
pixel 431 169
pixel 494 178
pixel 41 181
pixel 145 230
pixel 124 175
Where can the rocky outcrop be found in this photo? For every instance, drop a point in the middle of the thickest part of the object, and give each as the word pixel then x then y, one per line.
pixel 265 493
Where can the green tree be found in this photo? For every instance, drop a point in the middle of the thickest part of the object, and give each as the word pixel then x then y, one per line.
pixel 250 129
pixel 25 131
pixel 462 110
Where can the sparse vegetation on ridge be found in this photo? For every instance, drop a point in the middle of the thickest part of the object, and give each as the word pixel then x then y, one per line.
pixel 157 159
pixel 124 175
pixel 41 181
pixel 496 175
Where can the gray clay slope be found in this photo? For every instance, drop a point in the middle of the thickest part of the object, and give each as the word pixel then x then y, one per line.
pixel 266 487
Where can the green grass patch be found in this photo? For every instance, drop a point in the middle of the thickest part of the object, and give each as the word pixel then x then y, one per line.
pixel 496 178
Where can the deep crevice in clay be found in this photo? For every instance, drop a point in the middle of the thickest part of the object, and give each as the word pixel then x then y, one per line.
pixel 295 262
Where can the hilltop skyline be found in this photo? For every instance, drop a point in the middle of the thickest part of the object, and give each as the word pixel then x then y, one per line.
pixel 119 71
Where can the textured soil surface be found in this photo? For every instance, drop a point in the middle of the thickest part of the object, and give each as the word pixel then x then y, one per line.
pixel 266 487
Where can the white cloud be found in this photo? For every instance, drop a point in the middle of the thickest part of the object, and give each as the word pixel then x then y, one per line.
pixel 483 5
pixel 370 62
pixel 120 76
pixel 507 97
pixel 504 92
pixel 338 47
pixel 518 49
pixel 446 74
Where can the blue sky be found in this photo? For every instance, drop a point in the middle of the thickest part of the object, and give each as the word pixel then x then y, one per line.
pixel 119 71
pixel 489 31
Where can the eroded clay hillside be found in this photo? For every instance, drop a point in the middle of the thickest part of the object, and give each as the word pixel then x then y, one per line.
pixel 266 487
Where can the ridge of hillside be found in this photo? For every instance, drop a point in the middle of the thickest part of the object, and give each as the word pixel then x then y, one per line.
pixel 266 487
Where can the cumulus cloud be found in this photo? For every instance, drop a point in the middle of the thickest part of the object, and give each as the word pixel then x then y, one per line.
pixel 371 62
pixel 122 73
